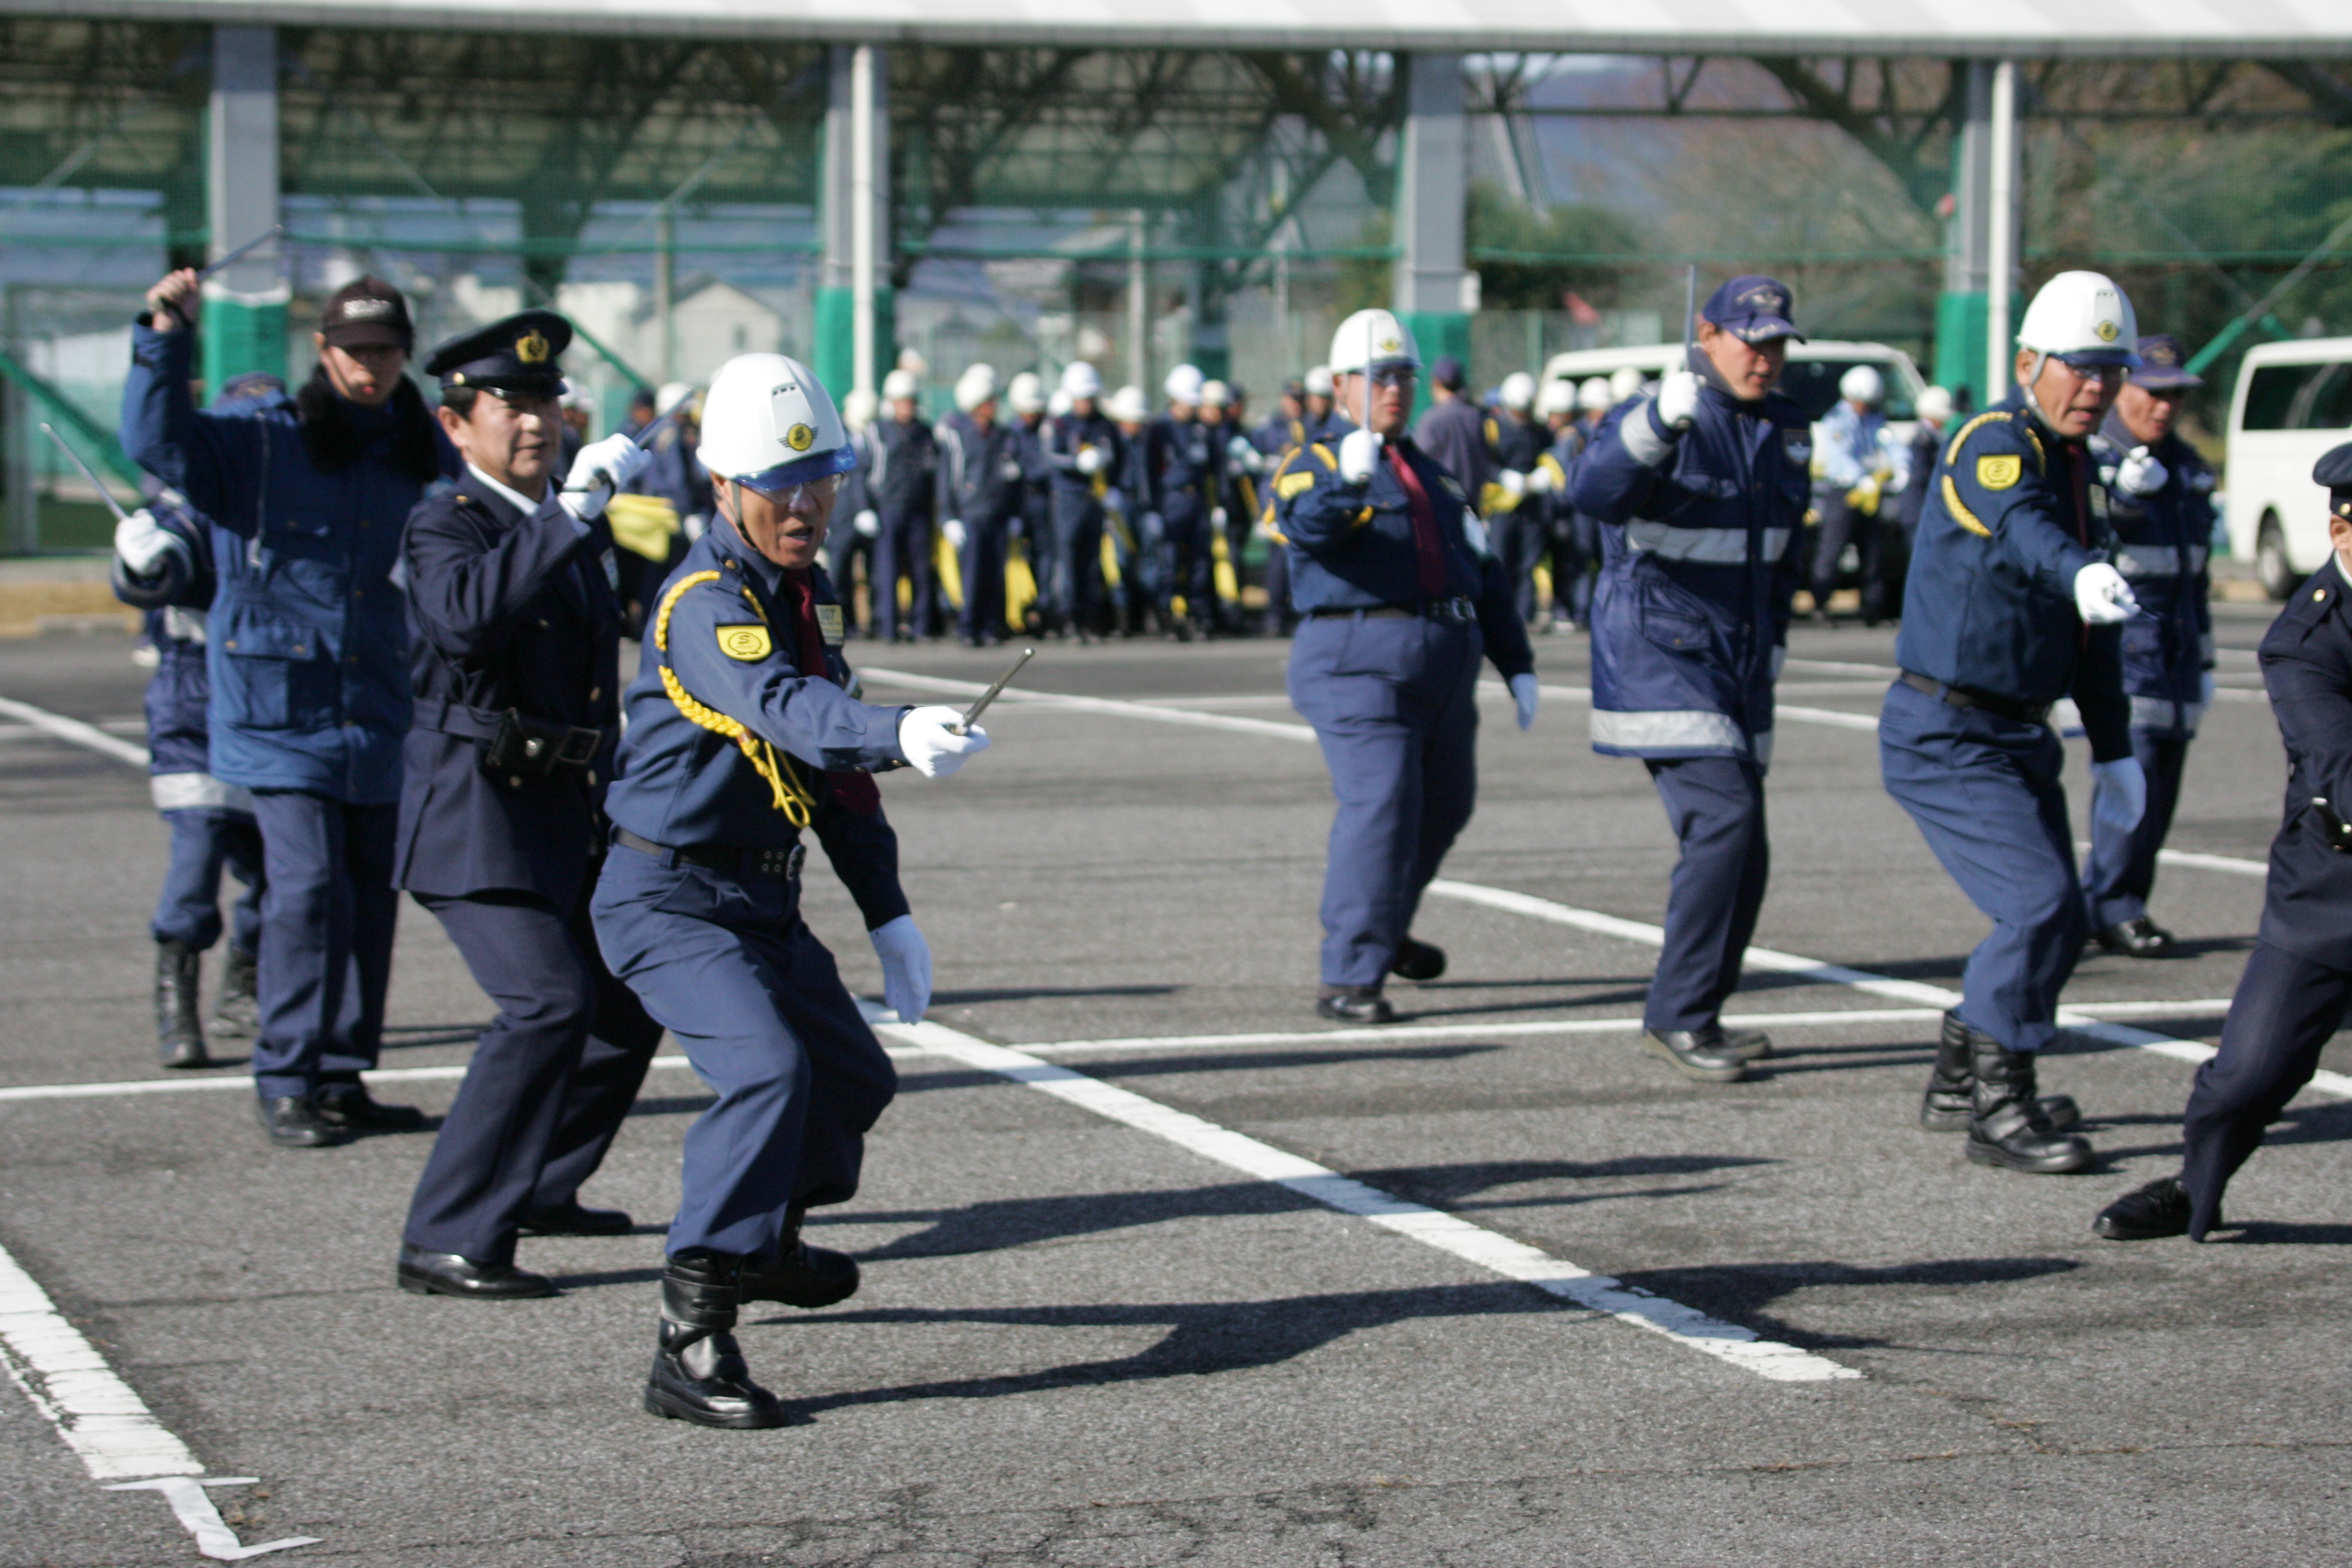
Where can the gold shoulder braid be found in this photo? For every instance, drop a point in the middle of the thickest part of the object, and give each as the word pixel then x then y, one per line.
pixel 790 797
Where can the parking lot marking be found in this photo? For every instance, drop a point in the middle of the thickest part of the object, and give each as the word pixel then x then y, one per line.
pixel 196 1514
pixel 100 1419
pixel 75 730
pixel 1488 1250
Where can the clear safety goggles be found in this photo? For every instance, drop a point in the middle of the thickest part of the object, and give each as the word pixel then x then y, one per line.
pixel 1390 374
pixel 2104 371
pixel 794 495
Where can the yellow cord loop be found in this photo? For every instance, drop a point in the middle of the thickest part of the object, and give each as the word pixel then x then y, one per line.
pixel 783 782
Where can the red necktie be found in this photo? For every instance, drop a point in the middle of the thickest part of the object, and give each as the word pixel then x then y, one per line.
pixel 853 789
pixel 1428 549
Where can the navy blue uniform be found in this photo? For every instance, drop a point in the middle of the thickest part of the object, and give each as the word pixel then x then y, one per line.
pixel 982 482
pixel 901 481
pixel 1690 621
pixel 1183 480
pixel 1068 560
pixel 845 543
pixel 1518 525
pixel 1137 534
pixel 1991 638
pixel 516 609
pixel 1575 533
pixel 1275 440
pixel 737 738
pixel 1397 610
pixel 2162 543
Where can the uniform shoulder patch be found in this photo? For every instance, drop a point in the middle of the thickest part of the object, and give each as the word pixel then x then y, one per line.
pixel 1292 486
pixel 2000 471
pixel 748 643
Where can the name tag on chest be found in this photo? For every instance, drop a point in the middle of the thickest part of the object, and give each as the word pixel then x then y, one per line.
pixel 828 624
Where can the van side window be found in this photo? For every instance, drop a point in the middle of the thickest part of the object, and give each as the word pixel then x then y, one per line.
pixel 2300 398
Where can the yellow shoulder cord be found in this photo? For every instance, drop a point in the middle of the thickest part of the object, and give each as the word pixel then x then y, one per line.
pixel 790 798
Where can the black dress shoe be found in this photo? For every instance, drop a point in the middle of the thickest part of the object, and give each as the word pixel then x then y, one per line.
pixel 1701 1054
pixel 1356 1005
pixel 2157 1209
pixel 291 1119
pixel 2141 937
pixel 179 1035
pixel 1417 960
pixel 351 1107
pixel 573 1219
pixel 424 1273
pixel 1949 1104
pixel 799 1275
pixel 2009 1129
pixel 1747 1045
pixel 699 1372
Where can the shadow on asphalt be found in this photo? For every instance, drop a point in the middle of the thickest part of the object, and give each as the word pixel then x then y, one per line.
pixel 1741 1292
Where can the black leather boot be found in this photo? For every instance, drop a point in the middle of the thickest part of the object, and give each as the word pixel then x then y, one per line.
pixel 2009 1129
pixel 699 1372
pixel 797 1273
pixel 236 1012
pixel 1948 1105
pixel 179 1033
pixel 1417 960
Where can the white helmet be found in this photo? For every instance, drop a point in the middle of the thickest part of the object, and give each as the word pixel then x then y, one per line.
pixel 1080 379
pixel 1935 405
pixel 1862 384
pixel 1559 397
pixel 2082 316
pixel 1183 384
pixel 1518 391
pixel 1592 396
pixel 770 424
pixel 1216 394
pixel 673 395
pixel 1127 408
pixel 857 409
pixel 1026 393
pixel 900 383
pixel 1318 380
pixel 1058 404
pixel 1370 340
pixel 975 386
pixel 911 361
pixel 1625 383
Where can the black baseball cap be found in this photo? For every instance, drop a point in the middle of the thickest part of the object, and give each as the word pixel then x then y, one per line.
pixel 368 311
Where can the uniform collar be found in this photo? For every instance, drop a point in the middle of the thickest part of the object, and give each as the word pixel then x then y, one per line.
pixel 733 547
pixel 2021 399
pixel 513 497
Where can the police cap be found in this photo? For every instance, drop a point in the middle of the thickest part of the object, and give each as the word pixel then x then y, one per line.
pixel 2335 473
pixel 2162 365
pixel 1754 308
pixel 517 354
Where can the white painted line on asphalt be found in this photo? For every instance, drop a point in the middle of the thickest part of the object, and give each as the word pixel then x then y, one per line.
pixel 2236 865
pixel 97 1413
pixel 75 730
pixel 2080 1020
pixel 1488 1250
pixel 196 1513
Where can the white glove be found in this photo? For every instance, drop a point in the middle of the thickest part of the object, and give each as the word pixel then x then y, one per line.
pixel 906 967
pixel 1239 452
pixel 601 468
pixel 1216 517
pixel 1359 453
pixel 2118 793
pixel 2102 594
pixel 1678 400
pixel 1514 483
pixel 143 542
pixel 2205 689
pixel 953 530
pixel 1538 481
pixel 928 737
pixel 1524 691
pixel 867 524
pixel 2139 474
pixel 1090 459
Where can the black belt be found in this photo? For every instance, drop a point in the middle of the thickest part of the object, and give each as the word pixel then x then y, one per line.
pixel 1428 609
pixel 576 746
pixel 2022 712
pixel 785 862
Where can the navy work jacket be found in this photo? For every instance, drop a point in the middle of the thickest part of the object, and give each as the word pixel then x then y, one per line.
pixel 2162 541
pixel 901 471
pixel 2307 659
pixel 176 597
pixel 1067 435
pixel 981 476
pixel 721 661
pixel 308 637
pixel 1989 605
pixel 507 609
pixel 1183 466
pixel 1690 615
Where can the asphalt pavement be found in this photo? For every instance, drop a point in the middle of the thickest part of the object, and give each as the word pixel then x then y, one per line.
pixel 1189 1276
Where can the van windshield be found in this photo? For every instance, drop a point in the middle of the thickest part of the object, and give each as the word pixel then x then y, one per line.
pixel 2300 398
pixel 1814 383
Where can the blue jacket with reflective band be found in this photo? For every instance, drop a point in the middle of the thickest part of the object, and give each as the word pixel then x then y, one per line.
pixel 722 631
pixel 2162 543
pixel 1989 605
pixel 176 597
pixel 1690 617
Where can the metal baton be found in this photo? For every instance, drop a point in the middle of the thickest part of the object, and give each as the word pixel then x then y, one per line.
pixel 971 714
pixel 1690 313
pixel 75 458
pixel 239 253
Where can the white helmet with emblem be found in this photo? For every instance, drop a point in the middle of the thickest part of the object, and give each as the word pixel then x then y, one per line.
pixel 1518 392
pixel 769 423
pixel 1026 393
pixel 1372 340
pixel 900 385
pixel 975 386
pixel 1862 384
pixel 1080 379
pixel 1127 408
pixel 1592 396
pixel 1559 397
pixel 2083 316
pixel 1318 380
pixel 1183 384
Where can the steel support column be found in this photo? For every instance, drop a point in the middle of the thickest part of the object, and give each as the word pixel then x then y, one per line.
pixel 856 332
pixel 245 304
pixel 1435 293
pixel 1960 311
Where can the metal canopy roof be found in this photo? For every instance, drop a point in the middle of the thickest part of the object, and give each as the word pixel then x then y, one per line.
pixel 1944 28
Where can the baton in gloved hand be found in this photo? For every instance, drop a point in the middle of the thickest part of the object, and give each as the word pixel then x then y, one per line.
pixel 1690 313
pixel 75 458
pixel 239 253
pixel 971 714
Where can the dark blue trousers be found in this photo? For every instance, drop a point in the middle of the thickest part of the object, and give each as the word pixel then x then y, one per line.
pixel 982 563
pixel 1190 574
pixel 1069 568
pixel 1576 556
pixel 328 914
pixel 1394 700
pixel 1985 792
pixel 205 842
pixel 1715 806
pixel 2122 868
pixel 550 1080
pixel 903 549
pixel 2286 1009
pixel 1519 537
pixel 728 966
pixel 844 546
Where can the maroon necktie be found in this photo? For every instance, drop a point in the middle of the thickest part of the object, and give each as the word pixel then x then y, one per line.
pixel 853 789
pixel 1429 549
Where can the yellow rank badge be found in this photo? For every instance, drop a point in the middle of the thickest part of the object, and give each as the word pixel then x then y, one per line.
pixel 748 643
pixel 2000 473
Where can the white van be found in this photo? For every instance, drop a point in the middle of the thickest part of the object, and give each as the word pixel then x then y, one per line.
pixel 1812 378
pixel 2293 404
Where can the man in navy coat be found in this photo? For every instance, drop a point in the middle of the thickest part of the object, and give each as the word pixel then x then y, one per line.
pixel 2298 986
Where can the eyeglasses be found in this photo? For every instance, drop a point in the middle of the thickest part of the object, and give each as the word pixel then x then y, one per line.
pixel 1392 374
pixel 806 496
pixel 2098 373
